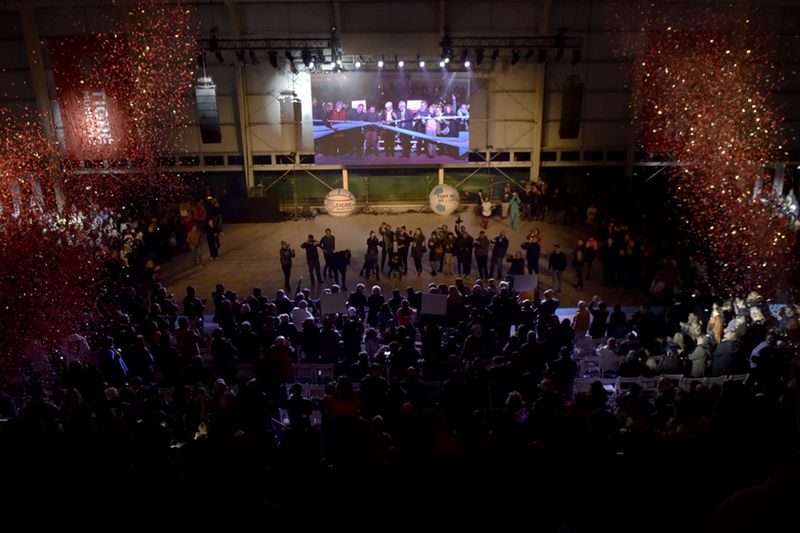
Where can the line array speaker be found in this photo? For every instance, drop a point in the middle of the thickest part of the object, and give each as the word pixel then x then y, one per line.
pixel 207 112
pixel 571 108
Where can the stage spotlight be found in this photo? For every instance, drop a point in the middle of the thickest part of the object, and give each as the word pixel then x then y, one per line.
pixel 253 57
pixel 358 64
pixel 515 57
pixel 220 57
pixel 401 64
pixel 306 55
pixel 381 62
pixel 339 61
pixel 576 56
pixel 420 62
pixel 542 57
pixel 495 53
pixel 442 64
pixel 467 64
pixel 464 54
pixel 479 56
pixel 273 58
pixel 529 54
pixel 240 56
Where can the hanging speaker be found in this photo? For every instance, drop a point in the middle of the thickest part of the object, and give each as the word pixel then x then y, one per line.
pixel 571 108
pixel 207 112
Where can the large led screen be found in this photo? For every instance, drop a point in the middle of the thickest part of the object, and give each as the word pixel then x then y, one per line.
pixel 390 118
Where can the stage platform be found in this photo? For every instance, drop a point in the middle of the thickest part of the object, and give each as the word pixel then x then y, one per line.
pixel 249 256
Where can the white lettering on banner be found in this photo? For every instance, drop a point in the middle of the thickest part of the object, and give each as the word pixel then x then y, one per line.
pixel 98 125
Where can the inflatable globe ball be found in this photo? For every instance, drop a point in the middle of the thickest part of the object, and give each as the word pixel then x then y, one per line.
pixel 340 203
pixel 444 200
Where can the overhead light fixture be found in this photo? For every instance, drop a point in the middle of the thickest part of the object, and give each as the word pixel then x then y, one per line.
pixel 495 53
pixel 529 54
pixel 442 64
pixel 381 62
pixel 479 56
pixel 253 57
pixel 358 64
pixel 220 57
pixel 240 56
pixel 401 64
pixel 447 46
pixel 305 54
pixel 464 54
pixel 273 58
pixel 514 57
pixel 467 64
pixel 420 62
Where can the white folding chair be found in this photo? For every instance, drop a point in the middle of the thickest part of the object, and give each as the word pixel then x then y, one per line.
pixel 675 378
pixel 621 385
pixel 719 380
pixel 323 373
pixel 590 367
pixel 303 373
pixel 314 392
pixel 742 378
pixel 581 386
pixel 609 365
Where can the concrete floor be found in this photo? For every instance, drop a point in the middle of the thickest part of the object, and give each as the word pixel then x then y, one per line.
pixel 249 255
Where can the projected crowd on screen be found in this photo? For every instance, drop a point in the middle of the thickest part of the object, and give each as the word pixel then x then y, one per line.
pixel 382 118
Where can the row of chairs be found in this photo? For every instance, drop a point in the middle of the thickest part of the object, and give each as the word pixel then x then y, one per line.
pixel 313 373
pixel 649 385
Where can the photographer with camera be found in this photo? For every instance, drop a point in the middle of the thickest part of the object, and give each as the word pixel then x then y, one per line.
pixel 312 258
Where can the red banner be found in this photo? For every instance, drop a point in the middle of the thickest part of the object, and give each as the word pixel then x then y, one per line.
pixel 93 83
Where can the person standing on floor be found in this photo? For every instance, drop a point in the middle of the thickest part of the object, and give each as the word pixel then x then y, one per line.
pixel 312 258
pixel 486 209
pixel 418 249
pixel 195 241
pixel 532 252
pixel 557 266
pixel 505 205
pixel 328 245
pixel 578 261
pixel 499 252
pixel 516 204
pixel 286 254
pixel 371 259
pixel 212 236
pixel 387 244
pixel 482 245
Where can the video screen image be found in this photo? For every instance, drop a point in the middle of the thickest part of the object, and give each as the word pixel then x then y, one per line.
pixel 390 118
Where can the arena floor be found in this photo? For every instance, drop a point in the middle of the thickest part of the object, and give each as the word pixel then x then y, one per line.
pixel 249 256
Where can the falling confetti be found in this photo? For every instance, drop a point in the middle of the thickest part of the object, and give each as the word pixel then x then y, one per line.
pixel 57 216
pixel 702 91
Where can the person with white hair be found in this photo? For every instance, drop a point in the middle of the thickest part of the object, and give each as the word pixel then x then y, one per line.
pixel 699 358
pixel 300 314
pixel 389 118
pixel 580 322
